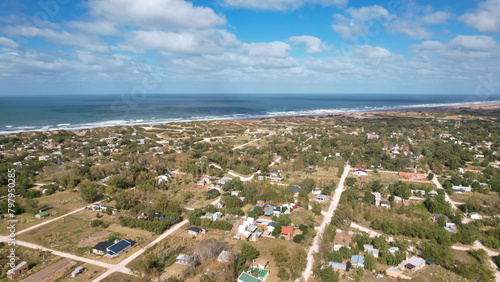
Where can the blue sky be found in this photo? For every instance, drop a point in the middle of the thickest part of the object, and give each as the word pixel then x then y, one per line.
pixel 249 46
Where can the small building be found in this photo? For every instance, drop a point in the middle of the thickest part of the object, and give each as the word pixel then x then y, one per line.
pixel 21 268
pixel 412 264
pixel 183 259
pixel 79 270
pixel 393 250
pixel 287 232
pixel 357 261
pixel 460 187
pixel 393 272
pixel 321 198
pixel 451 227
pixel 41 215
pixel 474 215
pixel 339 267
pixel 433 193
pixel 385 204
pixel 360 172
pixel 246 235
pixel 436 217
pixel 195 231
pixel 100 248
pixel 142 216
pixel 246 277
pixel 119 247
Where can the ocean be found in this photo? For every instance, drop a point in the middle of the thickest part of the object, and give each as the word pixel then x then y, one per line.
pixel 70 112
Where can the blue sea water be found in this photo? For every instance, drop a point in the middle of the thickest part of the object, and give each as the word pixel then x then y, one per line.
pixel 69 112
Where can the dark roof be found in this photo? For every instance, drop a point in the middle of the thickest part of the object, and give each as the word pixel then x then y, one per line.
pixel 194 229
pixel 102 246
pixel 119 246
pixel 273 224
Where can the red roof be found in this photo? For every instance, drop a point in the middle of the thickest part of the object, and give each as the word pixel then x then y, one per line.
pixel 286 230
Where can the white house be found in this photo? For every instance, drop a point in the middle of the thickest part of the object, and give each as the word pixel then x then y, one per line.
pixel 460 187
pixel 360 172
pixel 474 215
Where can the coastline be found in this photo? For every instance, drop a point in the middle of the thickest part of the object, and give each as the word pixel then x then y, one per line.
pixel 477 108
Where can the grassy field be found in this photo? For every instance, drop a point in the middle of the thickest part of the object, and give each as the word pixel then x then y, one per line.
pixel 56 205
pixel 73 234
pixel 117 276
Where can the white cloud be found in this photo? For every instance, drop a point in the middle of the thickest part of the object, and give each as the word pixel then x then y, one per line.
pixel 313 44
pixel 7 42
pixel 460 48
pixel 164 14
pixel 271 49
pixel 183 42
pixel 97 27
pixel 59 37
pixel 359 21
pixel 282 5
pixel 372 52
pixel 410 28
pixel 435 18
pixel 486 18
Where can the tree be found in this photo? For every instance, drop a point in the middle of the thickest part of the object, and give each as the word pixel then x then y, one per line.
pixel 308 185
pixel 255 212
pixel 350 181
pixel 125 200
pixel 283 274
pixel 370 262
pixel 88 191
pixel 430 176
pixel 31 206
pixel 248 252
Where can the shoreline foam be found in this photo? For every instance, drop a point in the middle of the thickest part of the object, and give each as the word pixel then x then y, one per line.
pixel 301 113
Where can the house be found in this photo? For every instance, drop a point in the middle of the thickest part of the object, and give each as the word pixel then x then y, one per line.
pixel 287 232
pixel 374 252
pixel 393 250
pixel 119 247
pixel 321 198
pixel 360 172
pixel 451 227
pixel 142 216
pixel 260 263
pixel 100 248
pixel 433 193
pixel 357 261
pixel 296 189
pixel 21 268
pixel 252 228
pixel 339 267
pixel 393 272
pixel 245 235
pixel 460 187
pixel 385 204
pixel 337 247
pixel 246 277
pixel 367 247
pixel 195 231
pixel 316 191
pixel 164 178
pixel 44 158
pixel 220 205
pixel 474 215
pixel 398 200
pixel 225 256
pixel 275 173
pixel 183 259
pixel 41 215
pixel 79 270
pixel 159 216
pixel 436 217
pixel 413 264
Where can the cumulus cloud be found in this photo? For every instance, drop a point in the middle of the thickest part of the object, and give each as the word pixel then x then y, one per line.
pixel 65 38
pixel 460 48
pixel 486 18
pixel 7 42
pixel 312 44
pixel 416 23
pixel 271 49
pixel 358 23
pixel 282 5
pixel 165 14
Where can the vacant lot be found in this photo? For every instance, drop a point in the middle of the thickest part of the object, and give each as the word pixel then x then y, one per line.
pixel 56 205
